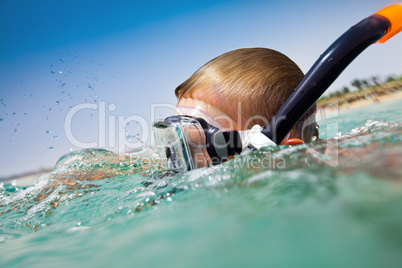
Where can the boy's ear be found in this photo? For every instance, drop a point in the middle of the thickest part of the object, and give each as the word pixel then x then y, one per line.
pixel 308 129
pixel 316 133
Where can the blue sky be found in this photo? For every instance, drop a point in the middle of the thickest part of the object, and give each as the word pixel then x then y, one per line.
pixel 55 55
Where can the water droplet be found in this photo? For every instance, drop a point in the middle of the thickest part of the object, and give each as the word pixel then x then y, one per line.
pixel 48 132
pixel 52 72
pixel 55 137
pixel 50 148
pixel 57 102
pixel 1 119
pixel 15 130
pixel 112 107
pixel 61 60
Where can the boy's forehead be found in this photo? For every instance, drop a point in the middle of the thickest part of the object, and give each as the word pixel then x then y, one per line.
pixel 211 99
pixel 186 105
pixel 200 108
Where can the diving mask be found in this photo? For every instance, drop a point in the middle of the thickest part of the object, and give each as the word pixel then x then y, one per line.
pixel 191 142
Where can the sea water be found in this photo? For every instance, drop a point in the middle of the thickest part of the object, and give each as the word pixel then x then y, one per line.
pixel 334 203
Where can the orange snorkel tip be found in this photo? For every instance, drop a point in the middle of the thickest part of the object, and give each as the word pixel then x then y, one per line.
pixel 394 15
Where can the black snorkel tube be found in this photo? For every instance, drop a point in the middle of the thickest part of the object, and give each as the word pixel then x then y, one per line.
pixel 381 25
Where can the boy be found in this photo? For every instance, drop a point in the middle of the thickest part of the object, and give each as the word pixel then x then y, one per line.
pixel 242 88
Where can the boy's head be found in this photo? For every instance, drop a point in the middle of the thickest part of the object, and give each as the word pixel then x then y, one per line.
pixel 245 87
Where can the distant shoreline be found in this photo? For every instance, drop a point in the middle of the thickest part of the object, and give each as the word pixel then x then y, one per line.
pixel 361 103
pixel 383 93
pixel 26 177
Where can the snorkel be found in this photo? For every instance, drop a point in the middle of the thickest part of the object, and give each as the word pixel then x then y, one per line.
pixel 190 142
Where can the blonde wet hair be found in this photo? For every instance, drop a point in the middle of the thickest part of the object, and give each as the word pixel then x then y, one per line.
pixel 260 80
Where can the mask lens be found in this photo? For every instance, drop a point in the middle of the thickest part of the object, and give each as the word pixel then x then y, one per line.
pixel 183 142
pixel 169 145
pixel 196 141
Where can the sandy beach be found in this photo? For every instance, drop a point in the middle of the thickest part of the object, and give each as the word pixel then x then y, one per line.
pixel 337 105
pixel 25 179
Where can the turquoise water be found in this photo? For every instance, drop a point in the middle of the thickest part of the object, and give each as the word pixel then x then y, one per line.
pixel 334 203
